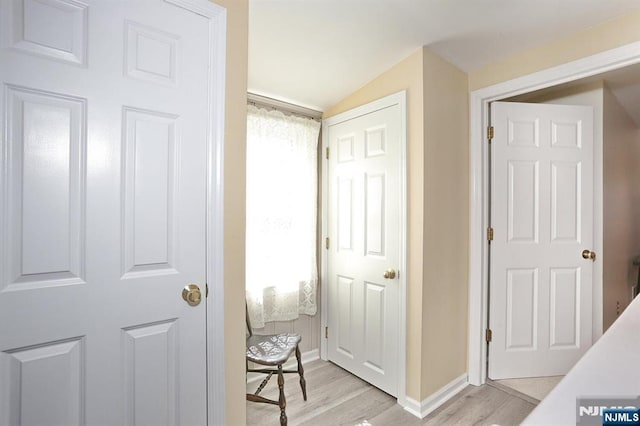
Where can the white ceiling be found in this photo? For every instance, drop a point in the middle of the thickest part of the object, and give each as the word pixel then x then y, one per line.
pixel 314 53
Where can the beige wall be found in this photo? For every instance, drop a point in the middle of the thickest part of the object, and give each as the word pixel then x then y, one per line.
pixel 438 194
pixel 606 36
pixel 234 207
pixel 621 207
pixel 406 75
pixel 446 224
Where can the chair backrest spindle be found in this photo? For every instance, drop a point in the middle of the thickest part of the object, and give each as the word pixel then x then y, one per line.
pixel 246 314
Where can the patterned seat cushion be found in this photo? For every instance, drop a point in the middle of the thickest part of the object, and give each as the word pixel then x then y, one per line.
pixel 272 349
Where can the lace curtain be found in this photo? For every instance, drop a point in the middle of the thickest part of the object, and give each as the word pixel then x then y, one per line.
pixel 281 271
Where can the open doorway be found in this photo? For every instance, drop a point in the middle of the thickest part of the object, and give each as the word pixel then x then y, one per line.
pixel 616 88
pixel 613 99
pixel 542 204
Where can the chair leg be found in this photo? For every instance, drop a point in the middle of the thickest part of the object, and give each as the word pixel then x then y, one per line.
pixel 303 382
pixel 281 400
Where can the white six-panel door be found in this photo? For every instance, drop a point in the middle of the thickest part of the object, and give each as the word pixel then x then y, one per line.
pixel 102 211
pixel 364 193
pixel 542 216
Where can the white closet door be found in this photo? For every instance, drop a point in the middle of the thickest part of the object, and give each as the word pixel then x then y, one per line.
pixel 102 215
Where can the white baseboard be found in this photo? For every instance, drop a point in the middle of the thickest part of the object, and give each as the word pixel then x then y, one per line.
pixel 312 355
pixel 292 364
pixel 424 408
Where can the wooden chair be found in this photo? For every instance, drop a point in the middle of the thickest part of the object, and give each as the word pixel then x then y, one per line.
pixel 273 350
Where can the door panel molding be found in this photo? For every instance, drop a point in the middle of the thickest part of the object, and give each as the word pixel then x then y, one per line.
pixel 60 232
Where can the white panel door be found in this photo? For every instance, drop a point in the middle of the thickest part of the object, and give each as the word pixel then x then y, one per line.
pixel 102 211
pixel 364 229
pixel 542 216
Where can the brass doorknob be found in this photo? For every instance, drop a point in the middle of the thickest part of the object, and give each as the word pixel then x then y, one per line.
pixel 588 254
pixel 191 294
pixel 389 274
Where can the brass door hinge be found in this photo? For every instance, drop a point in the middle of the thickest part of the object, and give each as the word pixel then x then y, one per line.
pixel 326 332
pixel 489 234
pixel 326 243
pixel 326 154
pixel 488 335
pixel 490 133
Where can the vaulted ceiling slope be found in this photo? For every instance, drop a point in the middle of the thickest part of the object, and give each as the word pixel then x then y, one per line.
pixel 316 52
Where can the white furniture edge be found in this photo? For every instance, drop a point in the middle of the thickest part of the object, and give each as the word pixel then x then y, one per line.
pixel 605 371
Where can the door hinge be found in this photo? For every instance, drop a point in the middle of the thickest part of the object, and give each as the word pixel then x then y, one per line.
pixel 326 243
pixel 490 133
pixel 326 332
pixel 489 234
pixel 326 153
pixel 488 335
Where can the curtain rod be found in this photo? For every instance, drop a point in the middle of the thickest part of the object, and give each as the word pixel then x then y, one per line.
pixel 285 107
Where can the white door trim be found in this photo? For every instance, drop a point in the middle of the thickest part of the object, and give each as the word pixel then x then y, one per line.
pixel 215 302
pixel 479 118
pixel 399 98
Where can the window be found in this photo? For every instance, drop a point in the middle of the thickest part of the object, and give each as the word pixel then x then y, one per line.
pixel 282 180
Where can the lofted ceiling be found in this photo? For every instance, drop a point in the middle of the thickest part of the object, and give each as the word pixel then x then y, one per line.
pixel 314 53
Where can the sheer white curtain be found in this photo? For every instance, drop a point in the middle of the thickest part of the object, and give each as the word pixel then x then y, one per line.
pixel 282 180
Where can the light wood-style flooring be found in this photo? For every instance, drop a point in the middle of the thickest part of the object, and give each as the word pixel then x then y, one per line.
pixel 335 397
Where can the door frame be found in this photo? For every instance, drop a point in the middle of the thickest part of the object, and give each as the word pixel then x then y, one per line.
pixel 478 190
pixel 214 301
pixel 399 98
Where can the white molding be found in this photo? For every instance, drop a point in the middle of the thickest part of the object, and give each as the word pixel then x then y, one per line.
pixel 399 98
pixel 215 302
pixel 403 268
pixel 387 101
pixel 430 404
pixel 581 68
pixel 324 226
pixel 478 104
pixel 292 363
pixel 309 356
